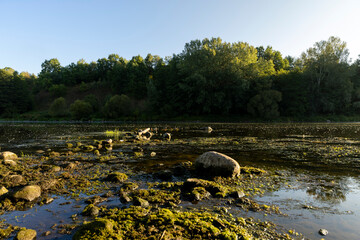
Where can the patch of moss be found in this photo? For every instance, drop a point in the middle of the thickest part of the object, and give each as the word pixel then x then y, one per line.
pixel 142 223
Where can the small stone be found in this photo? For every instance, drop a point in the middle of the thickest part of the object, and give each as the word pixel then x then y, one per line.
pixel 124 197
pixel 8 156
pixel 56 168
pixel 47 233
pixel 26 234
pixel 167 136
pixel 323 232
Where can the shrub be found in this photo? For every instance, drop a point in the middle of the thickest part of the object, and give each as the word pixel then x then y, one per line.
pixel 58 107
pixel 94 102
pixel 118 106
pixel 81 110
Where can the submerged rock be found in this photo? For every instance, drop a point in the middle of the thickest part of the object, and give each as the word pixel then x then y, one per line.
pixel 28 193
pixel 8 156
pixel 26 234
pixel 217 164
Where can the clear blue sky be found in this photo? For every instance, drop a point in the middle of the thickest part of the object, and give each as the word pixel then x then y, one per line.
pixel 35 30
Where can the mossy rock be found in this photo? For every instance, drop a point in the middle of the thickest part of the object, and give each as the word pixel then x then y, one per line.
pixel 8 156
pixel 199 193
pixel 28 193
pixel 3 190
pixel 141 202
pixel 129 186
pixel 116 177
pixel 99 229
pixel 91 210
pixel 26 234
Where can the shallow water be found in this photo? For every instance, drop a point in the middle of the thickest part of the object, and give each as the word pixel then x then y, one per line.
pixel 321 163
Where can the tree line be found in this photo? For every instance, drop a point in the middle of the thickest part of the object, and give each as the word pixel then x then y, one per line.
pixel 209 77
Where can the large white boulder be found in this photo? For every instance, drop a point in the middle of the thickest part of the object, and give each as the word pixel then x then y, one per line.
pixel 217 164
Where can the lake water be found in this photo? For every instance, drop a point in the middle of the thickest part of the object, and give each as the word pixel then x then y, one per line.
pixel 319 162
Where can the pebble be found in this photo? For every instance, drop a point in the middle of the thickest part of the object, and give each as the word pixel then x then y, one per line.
pixel 323 232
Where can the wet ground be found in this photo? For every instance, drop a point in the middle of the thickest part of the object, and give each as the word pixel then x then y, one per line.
pixel 313 171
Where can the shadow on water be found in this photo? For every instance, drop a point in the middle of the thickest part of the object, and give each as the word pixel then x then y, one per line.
pixel 320 163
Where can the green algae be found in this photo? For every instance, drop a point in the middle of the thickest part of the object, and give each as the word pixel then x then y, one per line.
pixel 162 223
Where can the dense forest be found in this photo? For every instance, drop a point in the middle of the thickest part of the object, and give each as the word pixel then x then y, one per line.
pixel 209 77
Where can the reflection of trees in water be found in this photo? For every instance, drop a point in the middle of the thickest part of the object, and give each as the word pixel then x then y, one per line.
pixel 329 191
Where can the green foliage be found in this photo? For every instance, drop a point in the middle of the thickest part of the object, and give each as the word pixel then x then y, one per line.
pixel 58 108
pixel 57 90
pixel 81 110
pixel 265 104
pixel 209 77
pixel 117 106
pixel 93 101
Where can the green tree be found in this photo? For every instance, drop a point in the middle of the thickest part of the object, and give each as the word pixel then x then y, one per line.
pixel 57 90
pixel 326 64
pixel 58 108
pixel 81 110
pixel 265 104
pixel 118 106
pixel 93 100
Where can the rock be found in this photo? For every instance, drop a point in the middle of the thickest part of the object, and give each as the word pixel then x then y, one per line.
pixel 167 136
pixel 208 129
pixel 48 200
pixel 48 184
pixel 217 164
pixel 9 162
pixel 26 234
pixel 129 186
pixel 95 200
pixel 3 190
pixel 323 232
pixel 124 197
pixel 56 168
pixel 237 194
pixel 28 193
pixel 91 210
pixel 144 134
pixel 141 202
pixel 70 166
pixel 116 177
pixel 14 180
pixel 8 156
pixel 95 227
pixel 199 193
pixel 54 154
